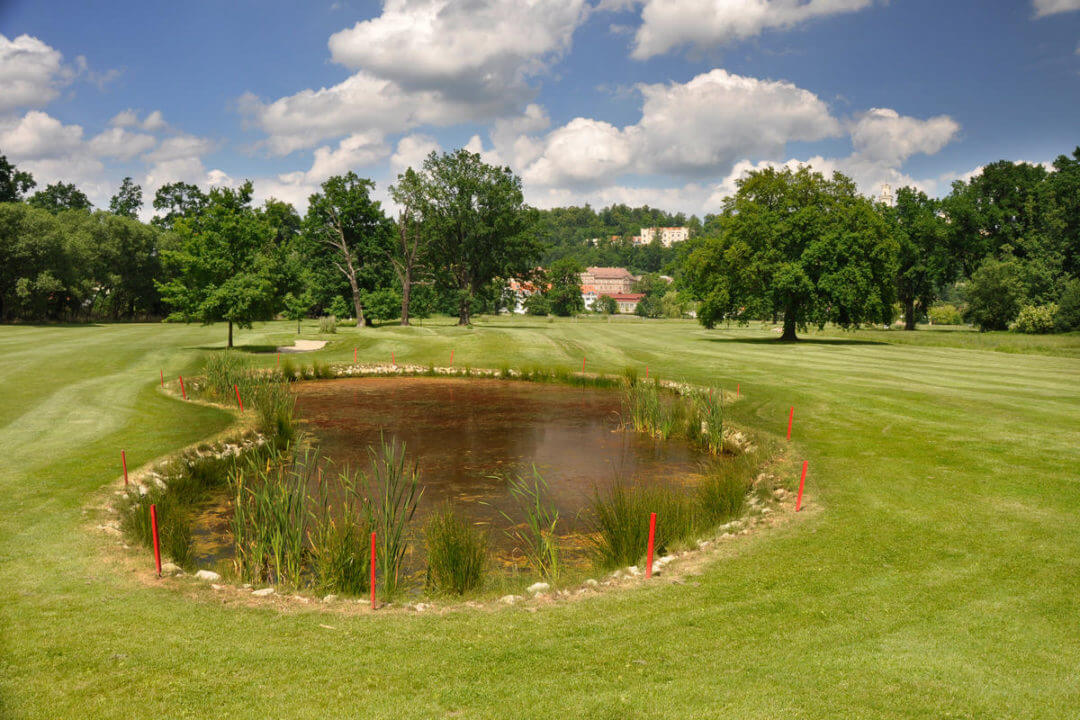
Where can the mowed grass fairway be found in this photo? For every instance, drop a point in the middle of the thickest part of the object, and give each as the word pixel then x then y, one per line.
pixel 936 574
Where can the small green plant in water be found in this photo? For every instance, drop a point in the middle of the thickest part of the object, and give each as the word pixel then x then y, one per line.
pixel 395 492
pixel 536 537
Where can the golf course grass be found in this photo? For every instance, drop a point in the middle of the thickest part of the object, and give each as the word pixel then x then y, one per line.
pixel 936 572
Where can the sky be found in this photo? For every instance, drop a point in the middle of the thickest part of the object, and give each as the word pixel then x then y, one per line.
pixel 658 102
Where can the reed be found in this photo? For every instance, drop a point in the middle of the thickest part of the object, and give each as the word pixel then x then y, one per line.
pixel 536 538
pixel 340 541
pixel 620 522
pixel 457 554
pixel 328 325
pixel 395 491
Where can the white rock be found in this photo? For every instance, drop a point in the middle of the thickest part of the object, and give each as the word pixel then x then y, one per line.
pixel 508 599
pixel 633 571
pixel 169 568
pixel 264 592
pixel 537 588
pixel 207 575
pixel 217 587
pixel 591 583
pixel 421 607
pixel 329 598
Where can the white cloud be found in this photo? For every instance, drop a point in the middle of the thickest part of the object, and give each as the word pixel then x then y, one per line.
pixel 121 144
pixel 410 153
pixel 181 147
pixel 361 103
pixel 884 136
pixel 694 129
pixel 480 49
pixel 38 135
pixel 31 73
pixel 1052 7
pixel 124 118
pixel 669 24
pixel 154 121
pixel 129 118
pixel 356 151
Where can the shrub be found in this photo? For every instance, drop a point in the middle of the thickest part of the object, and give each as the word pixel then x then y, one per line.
pixel 1035 319
pixel 1067 317
pixel 994 294
pixel 328 325
pixel 456 554
pixel 537 304
pixel 606 305
pixel 945 314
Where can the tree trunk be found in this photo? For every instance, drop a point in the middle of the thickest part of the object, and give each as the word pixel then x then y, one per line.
pixel 230 333
pixel 463 309
pixel 358 306
pixel 406 287
pixel 909 315
pixel 297 326
pixel 789 328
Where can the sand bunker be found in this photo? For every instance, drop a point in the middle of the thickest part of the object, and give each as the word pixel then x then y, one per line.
pixel 303 346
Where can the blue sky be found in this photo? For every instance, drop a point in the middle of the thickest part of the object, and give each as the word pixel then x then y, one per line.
pixel 664 102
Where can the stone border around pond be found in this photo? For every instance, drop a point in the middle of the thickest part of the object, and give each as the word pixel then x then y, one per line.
pixel 678 568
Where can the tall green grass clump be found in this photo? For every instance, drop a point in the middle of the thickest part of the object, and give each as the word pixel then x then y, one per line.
pixel 709 417
pixel 288 369
pixel 456 554
pixel 271 517
pixel 395 492
pixel 722 494
pixel 536 537
pixel 223 371
pixel 620 522
pixel 328 325
pixel 340 539
pixel 275 405
pixel 174 529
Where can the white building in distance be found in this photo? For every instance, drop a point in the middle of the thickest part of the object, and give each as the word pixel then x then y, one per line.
pixel 667 235
pixel 886 196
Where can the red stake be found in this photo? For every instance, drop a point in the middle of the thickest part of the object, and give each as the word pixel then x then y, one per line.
pixel 182 390
pixel 123 460
pixel 582 364
pixel 790 419
pixel 372 570
pixel 278 360
pixel 451 358
pixel 802 482
pixel 238 400
pixel 157 544
pixel 652 541
pixel 354 356
pixel 737 386
pixel 162 379
pixel 392 358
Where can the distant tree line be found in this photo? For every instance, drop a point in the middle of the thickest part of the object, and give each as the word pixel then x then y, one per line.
pixel 790 246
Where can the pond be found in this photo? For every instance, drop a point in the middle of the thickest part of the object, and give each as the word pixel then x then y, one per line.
pixel 467 435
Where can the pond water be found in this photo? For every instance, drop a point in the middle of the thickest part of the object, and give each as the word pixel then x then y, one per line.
pixel 467 435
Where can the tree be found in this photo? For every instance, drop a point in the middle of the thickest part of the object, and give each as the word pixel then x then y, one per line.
pixel 797 244
pixel 606 304
pixel 994 294
pixel 297 307
pixel 409 251
pixel 351 231
pixel 926 257
pixel 564 287
pixel 14 183
pixel 224 266
pixel 537 304
pixel 60 196
pixel 178 200
pixel 1067 317
pixel 672 305
pixel 127 200
pixel 479 224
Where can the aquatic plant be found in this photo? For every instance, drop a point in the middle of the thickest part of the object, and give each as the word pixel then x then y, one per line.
pixel 536 537
pixel 395 491
pixel 340 540
pixel 620 522
pixel 457 553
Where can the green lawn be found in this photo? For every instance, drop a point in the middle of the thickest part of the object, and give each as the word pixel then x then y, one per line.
pixel 938 574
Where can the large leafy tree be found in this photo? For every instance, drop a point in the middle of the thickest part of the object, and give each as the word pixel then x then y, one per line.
pixel 409 252
pixel 176 201
pixel 926 258
pixel 564 287
pixel 796 244
pixel 479 224
pixel 60 196
pixel 14 183
pixel 225 265
pixel 347 229
pixel 127 200
pixel 994 294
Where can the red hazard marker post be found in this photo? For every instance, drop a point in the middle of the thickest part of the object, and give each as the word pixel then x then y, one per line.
pixel 802 483
pixel 372 581
pixel 123 461
pixel 737 386
pixel 157 544
pixel 238 400
pixel 451 358
pixel 582 364
pixel 354 356
pixel 182 390
pixel 790 420
pixel 652 543
pixel 278 360
pixel 392 358
pixel 162 379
